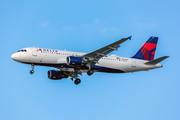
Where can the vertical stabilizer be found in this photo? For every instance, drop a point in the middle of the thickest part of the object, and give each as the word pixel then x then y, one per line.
pixel 147 51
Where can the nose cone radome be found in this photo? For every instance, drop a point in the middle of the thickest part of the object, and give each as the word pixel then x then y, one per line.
pixel 15 57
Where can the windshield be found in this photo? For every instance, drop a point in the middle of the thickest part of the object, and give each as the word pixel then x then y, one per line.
pixel 22 50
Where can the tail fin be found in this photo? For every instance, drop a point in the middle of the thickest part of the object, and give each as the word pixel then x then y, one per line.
pixel 147 51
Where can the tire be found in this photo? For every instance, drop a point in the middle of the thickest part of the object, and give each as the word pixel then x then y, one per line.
pixel 32 71
pixel 77 81
pixel 90 72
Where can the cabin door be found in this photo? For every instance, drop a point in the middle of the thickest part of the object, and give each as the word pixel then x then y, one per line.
pixel 34 51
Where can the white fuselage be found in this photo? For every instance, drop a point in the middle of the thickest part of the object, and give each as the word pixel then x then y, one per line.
pixel 57 58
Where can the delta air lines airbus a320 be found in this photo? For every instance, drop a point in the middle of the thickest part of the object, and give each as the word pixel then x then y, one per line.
pixel 72 64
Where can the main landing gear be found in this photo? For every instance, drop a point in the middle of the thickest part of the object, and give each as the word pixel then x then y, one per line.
pixel 77 81
pixel 90 72
pixel 32 71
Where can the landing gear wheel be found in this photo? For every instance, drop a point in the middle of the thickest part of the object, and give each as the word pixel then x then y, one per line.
pixel 32 71
pixel 77 81
pixel 90 72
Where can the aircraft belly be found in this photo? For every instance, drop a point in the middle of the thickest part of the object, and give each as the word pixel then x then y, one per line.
pixel 111 67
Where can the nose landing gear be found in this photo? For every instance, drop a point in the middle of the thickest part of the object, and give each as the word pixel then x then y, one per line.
pixel 32 71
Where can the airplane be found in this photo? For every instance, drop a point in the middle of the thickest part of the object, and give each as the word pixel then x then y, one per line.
pixel 70 64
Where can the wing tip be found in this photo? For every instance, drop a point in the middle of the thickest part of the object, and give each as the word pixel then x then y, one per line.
pixel 129 37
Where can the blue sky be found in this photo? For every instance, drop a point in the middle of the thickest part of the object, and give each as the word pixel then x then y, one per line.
pixel 85 26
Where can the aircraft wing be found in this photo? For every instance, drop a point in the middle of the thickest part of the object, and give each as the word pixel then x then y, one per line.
pixel 102 52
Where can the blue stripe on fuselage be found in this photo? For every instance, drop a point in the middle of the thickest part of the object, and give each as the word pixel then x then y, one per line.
pixel 95 67
pixel 106 69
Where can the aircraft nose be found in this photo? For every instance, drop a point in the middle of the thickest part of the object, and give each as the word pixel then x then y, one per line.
pixel 14 56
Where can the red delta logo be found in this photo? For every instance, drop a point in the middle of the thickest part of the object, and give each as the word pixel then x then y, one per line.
pixel 118 58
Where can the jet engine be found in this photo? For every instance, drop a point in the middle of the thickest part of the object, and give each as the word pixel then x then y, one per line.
pixel 72 60
pixel 56 75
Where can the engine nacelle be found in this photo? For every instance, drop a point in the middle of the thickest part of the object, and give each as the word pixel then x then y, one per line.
pixel 56 75
pixel 72 60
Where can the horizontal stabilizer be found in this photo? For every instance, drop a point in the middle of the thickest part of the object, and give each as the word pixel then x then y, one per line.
pixel 153 62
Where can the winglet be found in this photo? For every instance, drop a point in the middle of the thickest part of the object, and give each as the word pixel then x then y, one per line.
pixel 129 37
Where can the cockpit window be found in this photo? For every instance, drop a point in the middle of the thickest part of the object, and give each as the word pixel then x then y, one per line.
pixel 22 50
